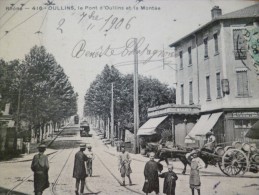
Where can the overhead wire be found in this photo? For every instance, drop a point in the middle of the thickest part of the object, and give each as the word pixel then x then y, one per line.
pixel 7 10
pixel 20 23
pixel 13 15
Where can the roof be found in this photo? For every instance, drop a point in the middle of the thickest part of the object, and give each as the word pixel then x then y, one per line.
pixel 251 11
pixel 248 12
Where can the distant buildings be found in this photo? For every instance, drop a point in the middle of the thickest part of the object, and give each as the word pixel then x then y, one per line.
pixel 216 75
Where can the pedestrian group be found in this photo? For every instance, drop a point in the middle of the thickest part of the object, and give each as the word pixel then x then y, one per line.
pixel 152 171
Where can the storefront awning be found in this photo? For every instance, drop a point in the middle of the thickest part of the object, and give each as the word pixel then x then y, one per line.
pixel 198 126
pixel 203 126
pixel 209 124
pixel 150 126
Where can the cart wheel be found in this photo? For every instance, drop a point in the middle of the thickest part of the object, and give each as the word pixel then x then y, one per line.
pixel 234 162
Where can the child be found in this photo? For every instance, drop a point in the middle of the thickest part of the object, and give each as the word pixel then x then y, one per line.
pixel 196 165
pixel 169 181
pixel 90 156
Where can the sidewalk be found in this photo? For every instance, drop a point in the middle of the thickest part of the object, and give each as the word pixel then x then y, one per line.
pixel 34 149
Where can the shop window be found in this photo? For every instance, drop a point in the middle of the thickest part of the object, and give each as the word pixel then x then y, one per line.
pixel 241 127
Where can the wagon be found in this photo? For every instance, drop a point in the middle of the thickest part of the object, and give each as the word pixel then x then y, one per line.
pixel 233 160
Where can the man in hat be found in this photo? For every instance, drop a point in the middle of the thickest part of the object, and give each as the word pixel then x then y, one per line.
pixel 40 167
pixel 211 142
pixel 90 156
pixel 124 161
pixel 79 172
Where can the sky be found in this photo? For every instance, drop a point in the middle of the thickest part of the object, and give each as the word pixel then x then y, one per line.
pixel 85 35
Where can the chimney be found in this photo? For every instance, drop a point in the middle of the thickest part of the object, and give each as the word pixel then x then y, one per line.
pixel 216 12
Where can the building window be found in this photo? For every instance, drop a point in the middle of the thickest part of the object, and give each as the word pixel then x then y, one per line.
pixel 208 87
pixel 190 93
pixel 241 127
pixel 205 41
pixel 181 59
pixel 182 94
pixel 218 85
pixel 239 43
pixel 190 55
pixel 242 84
pixel 216 44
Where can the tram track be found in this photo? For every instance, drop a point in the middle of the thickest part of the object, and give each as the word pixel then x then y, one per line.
pixel 53 186
pixel 53 156
pixel 31 175
pixel 117 179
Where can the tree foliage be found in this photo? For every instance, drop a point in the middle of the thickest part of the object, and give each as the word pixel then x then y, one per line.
pixel 98 97
pixel 38 89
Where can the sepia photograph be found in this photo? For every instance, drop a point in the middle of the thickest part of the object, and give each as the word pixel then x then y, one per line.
pixel 129 97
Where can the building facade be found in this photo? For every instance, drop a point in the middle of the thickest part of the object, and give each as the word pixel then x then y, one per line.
pixel 217 81
pixel 216 70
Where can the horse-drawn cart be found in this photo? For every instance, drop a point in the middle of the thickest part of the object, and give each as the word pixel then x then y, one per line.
pixel 232 160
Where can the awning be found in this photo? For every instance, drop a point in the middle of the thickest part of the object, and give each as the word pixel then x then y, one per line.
pixel 209 124
pixel 150 126
pixel 198 126
pixel 203 126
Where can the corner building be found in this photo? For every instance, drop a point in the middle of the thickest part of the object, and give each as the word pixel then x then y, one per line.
pixel 216 71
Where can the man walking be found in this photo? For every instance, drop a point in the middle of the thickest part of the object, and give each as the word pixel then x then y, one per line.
pixel 124 161
pixel 40 167
pixel 79 171
pixel 151 175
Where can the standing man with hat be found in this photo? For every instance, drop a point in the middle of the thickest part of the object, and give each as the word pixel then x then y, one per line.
pixel 40 167
pixel 90 156
pixel 124 161
pixel 79 171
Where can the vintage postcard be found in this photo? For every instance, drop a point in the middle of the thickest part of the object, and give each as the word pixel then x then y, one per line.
pixel 129 97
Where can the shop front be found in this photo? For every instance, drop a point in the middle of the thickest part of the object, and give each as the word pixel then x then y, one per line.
pixel 238 123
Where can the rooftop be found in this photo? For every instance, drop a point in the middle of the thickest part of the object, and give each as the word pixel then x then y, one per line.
pixel 248 12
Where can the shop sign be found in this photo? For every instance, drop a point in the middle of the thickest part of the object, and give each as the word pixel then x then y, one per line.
pixel 245 114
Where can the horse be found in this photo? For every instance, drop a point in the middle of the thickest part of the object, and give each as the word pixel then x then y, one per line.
pixel 164 153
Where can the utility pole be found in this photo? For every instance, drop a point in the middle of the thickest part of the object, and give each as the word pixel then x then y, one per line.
pixel 136 105
pixel 112 118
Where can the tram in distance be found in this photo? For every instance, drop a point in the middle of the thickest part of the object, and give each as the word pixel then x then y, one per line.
pixel 84 129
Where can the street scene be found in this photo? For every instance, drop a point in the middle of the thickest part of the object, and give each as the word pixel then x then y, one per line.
pixel 17 178
pixel 139 97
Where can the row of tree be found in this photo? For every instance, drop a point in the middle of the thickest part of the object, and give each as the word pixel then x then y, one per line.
pixel 38 89
pixel 98 97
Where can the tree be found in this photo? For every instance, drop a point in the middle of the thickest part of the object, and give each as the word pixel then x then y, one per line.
pixel 98 96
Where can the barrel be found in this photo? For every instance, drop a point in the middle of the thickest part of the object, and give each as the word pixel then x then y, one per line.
pixel 219 151
pixel 255 158
pixel 246 147
pixel 228 147
pixel 237 144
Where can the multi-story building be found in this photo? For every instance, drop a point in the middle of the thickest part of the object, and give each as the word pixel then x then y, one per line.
pixel 216 71
pixel 216 77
